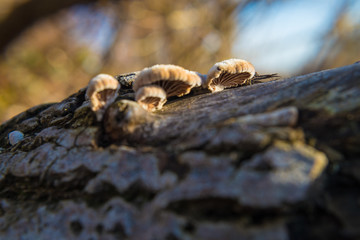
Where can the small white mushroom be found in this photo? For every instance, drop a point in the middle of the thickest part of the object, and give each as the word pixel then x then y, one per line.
pixel 15 137
pixel 151 97
pixel 229 73
pixel 175 80
pixel 102 91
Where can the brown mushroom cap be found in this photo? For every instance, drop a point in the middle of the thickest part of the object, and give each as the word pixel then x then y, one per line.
pixel 151 97
pixel 102 91
pixel 229 73
pixel 175 80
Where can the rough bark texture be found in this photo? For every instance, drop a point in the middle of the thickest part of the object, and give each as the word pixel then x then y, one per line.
pixel 276 160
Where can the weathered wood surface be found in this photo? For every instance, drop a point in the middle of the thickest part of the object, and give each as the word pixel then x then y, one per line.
pixel 276 160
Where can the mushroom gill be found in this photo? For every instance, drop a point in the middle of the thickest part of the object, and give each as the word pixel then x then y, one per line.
pixel 229 73
pixel 175 80
pixel 151 97
pixel 102 91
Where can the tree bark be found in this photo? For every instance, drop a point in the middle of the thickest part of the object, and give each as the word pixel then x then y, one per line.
pixel 275 160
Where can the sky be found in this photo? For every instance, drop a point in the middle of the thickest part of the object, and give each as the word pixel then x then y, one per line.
pixel 282 36
pixel 278 37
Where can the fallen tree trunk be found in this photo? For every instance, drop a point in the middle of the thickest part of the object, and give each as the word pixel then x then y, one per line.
pixel 276 160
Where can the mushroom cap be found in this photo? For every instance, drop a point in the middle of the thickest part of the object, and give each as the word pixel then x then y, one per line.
pixel 151 97
pixel 228 73
pixel 175 80
pixel 102 91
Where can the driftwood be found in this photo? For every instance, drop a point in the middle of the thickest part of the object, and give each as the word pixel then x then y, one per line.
pixel 275 160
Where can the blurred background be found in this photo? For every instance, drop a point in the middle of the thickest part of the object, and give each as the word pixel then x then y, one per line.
pixel 51 49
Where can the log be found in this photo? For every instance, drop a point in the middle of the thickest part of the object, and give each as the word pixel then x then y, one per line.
pixel 274 160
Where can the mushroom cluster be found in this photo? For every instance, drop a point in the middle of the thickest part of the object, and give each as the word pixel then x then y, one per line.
pixel 154 85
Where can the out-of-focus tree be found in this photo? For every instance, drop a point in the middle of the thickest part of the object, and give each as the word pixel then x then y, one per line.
pixel 42 66
pixel 17 15
pixel 193 34
pixel 341 45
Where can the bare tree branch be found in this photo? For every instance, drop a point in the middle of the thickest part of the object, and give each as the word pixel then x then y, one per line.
pixel 23 15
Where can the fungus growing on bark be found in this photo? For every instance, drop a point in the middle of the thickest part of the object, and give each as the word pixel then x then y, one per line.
pixel 228 73
pixel 15 137
pixel 102 91
pixel 175 80
pixel 151 97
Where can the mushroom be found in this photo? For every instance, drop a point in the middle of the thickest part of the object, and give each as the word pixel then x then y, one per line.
pixel 102 91
pixel 175 80
pixel 228 73
pixel 151 97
